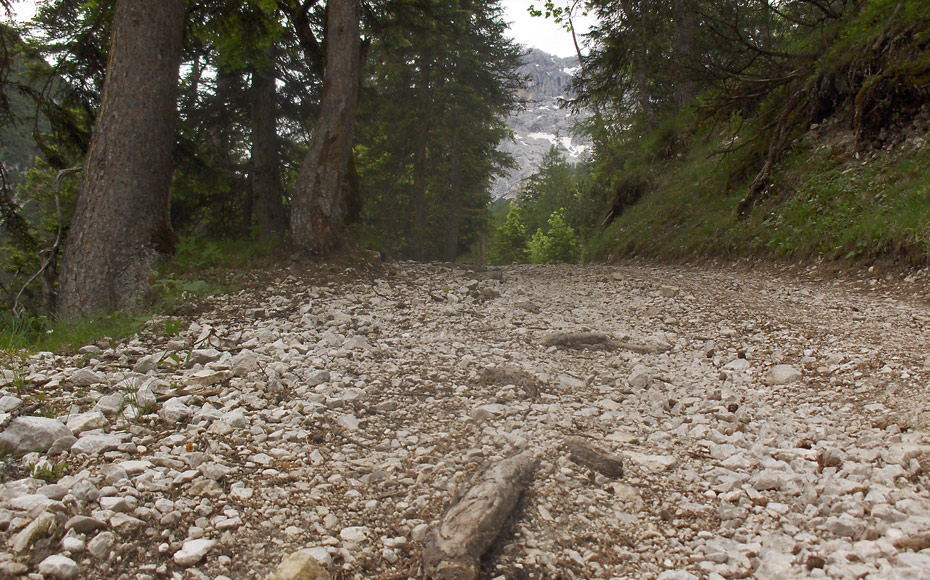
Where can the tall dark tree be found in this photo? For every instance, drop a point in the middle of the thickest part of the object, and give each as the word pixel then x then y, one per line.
pixel 327 182
pixel 444 76
pixel 122 221
pixel 267 197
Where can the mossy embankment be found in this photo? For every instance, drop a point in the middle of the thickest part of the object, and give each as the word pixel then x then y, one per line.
pixel 835 166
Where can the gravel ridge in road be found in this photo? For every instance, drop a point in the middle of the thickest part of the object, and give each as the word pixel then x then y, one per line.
pixel 770 425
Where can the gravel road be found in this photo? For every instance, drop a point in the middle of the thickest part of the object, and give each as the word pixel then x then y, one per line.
pixel 772 423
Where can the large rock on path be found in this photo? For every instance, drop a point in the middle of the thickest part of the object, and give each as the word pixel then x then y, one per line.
pixel 27 434
pixel 299 566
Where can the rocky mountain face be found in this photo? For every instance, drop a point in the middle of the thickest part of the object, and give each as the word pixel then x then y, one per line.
pixel 541 123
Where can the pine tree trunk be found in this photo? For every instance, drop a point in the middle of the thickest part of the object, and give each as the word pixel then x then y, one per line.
pixel 686 29
pixel 454 224
pixel 419 165
pixel 640 66
pixel 268 206
pixel 325 183
pixel 122 221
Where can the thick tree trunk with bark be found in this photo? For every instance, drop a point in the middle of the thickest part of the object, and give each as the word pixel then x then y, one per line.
pixel 325 184
pixel 122 221
pixel 267 202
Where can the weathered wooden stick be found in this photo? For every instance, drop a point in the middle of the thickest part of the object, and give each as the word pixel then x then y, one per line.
pixel 456 543
pixel 578 340
pixel 587 455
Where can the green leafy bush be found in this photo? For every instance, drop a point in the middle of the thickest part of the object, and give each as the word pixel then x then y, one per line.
pixel 509 242
pixel 558 244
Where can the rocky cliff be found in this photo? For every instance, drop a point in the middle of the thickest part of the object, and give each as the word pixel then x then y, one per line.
pixel 541 123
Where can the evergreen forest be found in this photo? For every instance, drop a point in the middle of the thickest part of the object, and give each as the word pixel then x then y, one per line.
pixel 144 145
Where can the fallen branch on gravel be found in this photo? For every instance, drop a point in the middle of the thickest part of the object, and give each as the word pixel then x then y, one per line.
pixel 456 543
pixel 578 340
pixel 587 455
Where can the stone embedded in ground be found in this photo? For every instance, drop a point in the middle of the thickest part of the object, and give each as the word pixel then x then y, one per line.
pixel 27 434
pixel 87 378
pixel 145 365
pixel 739 364
pixel 101 545
pixel 85 525
pixel 782 375
pixel 59 567
pixel 93 419
pixel 175 411
pixel 39 528
pixel 9 403
pixel 299 566
pixel 354 534
pixel 193 551
pixel 203 356
pixel 244 362
pixel 111 404
pixel 97 444
pixel 669 291
pixel 651 462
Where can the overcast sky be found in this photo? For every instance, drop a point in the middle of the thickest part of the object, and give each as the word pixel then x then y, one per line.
pixel 539 33
pixel 542 33
pixel 23 10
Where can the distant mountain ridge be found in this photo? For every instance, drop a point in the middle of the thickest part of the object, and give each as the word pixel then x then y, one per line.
pixel 542 123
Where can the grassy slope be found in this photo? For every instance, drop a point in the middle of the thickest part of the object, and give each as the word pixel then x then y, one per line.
pixel 823 201
pixel 823 205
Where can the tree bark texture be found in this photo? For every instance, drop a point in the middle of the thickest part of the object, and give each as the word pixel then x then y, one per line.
pixel 325 183
pixel 455 545
pixel 122 220
pixel 267 200
pixel 587 455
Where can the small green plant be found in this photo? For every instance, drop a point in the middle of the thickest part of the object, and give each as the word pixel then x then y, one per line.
pixel 139 407
pixel 49 472
pixel 173 328
pixel 21 385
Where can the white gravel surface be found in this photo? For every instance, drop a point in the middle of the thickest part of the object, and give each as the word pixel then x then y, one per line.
pixel 772 425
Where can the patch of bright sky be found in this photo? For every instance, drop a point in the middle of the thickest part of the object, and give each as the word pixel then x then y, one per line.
pixel 22 11
pixel 543 33
pixel 534 32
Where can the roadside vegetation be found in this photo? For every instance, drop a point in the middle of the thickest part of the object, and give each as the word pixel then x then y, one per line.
pixel 801 135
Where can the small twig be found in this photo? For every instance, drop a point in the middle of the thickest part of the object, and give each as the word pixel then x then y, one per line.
pixel 50 253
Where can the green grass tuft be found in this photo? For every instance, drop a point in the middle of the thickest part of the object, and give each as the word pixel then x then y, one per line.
pixel 200 268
